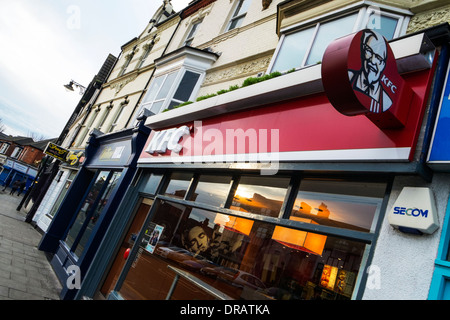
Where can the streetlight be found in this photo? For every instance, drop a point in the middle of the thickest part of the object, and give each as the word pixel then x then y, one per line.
pixel 70 85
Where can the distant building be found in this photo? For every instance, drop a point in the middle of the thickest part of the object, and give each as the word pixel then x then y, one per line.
pixel 20 159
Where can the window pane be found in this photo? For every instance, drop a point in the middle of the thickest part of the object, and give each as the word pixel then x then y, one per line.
pixel 242 258
pixel 383 25
pixel 97 213
pixel 293 50
pixel 239 14
pixel 152 183
pixel 341 204
pixel 156 107
pixel 166 86
pixel 212 190
pixel 86 208
pixel 260 195
pixel 186 86
pixel 62 194
pixel 242 8
pixel 328 32
pixel 151 94
pixel 178 184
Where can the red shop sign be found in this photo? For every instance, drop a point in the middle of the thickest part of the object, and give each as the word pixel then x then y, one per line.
pixel 320 127
pixel 359 75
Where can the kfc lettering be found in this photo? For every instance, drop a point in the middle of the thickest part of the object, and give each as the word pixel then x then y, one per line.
pixel 360 77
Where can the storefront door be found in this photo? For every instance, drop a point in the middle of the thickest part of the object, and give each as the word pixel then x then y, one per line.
pixel 142 211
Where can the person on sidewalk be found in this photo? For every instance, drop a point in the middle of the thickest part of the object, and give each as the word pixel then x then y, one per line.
pixel 14 187
pixel 7 182
pixel 21 187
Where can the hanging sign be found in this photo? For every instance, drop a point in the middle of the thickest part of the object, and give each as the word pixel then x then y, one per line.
pixel 56 151
pixel 64 155
pixel 414 211
pixel 360 77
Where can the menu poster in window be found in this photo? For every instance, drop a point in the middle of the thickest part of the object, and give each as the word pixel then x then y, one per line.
pixel 151 237
pixel 328 278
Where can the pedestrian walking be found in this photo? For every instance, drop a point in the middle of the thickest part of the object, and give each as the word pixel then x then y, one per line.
pixel 21 187
pixel 14 187
pixel 7 182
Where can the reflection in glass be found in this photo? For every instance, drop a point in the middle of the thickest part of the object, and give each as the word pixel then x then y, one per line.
pixel 341 204
pixel 178 184
pixel 152 183
pixel 212 190
pixel 254 264
pixel 97 212
pixel 328 32
pixel 260 195
pixel 383 25
pixel 63 193
pixel 86 208
pixel 293 50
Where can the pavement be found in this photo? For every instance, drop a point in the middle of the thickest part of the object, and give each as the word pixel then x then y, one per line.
pixel 25 272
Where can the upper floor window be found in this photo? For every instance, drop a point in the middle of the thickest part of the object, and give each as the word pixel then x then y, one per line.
pixel 144 56
pixel 16 153
pixel 239 14
pixel 118 115
pixel 192 33
pixel 170 89
pixel 4 147
pixel 305 45
pixel 125 65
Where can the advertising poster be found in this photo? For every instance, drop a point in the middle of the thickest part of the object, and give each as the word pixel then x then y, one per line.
pixel 151 237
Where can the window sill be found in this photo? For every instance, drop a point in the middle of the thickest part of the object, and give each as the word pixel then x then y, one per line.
pixel 409 52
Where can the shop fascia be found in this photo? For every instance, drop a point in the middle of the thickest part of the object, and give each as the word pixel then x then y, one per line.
pixel 236 145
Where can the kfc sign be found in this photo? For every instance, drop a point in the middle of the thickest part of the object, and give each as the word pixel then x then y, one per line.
pixel 360 77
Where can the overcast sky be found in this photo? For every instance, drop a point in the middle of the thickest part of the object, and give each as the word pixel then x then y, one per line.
pixel 46 43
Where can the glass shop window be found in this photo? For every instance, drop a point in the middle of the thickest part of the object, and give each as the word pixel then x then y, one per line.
pixel 152 183
pixel 242 258
pixel 212 190
pixel 260 195
pixel 340 204
pixel 178 184
pixel 62 194
pixel 90 211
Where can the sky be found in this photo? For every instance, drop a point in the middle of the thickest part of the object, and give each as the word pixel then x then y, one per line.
pixel 44 44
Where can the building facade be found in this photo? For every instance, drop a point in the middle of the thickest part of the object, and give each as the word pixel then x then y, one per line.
pixel 21 158
pixel 301 166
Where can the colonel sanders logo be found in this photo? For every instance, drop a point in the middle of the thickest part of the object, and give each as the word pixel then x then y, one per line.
pixel 360 77
pixel 368 79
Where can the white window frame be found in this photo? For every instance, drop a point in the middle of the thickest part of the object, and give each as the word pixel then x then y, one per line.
pixel 174 87
pixel 235 15
pixel 364 10
pixel 87 127
pixel 4 148
pixel 192 32
pixel 17 152
pixel 105 116
pixel 126 65
pixel 145 55
pixel 117 117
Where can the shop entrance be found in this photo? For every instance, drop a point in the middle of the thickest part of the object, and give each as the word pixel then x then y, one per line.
pixel 127 243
